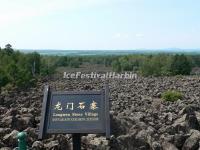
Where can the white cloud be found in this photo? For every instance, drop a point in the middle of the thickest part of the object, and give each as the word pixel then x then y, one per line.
pixel 139 35
pixel 117 35
pixel 120 35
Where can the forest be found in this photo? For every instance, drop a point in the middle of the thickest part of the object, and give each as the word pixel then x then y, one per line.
pixel 18 69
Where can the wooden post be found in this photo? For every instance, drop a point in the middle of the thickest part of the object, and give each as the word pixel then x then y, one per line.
pixel 76 141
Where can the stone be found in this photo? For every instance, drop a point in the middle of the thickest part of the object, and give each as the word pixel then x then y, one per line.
pixel 180 124
pixel 168 146
pixel 179 140
pixel 52 145
pixel 192 122
pixel 99 143
pixel 189 109
pixel 192 143
pixel 156 146
pixel 38 145
pixel 5 148
pixel 4 131
pixel 7 121
pixel 11 138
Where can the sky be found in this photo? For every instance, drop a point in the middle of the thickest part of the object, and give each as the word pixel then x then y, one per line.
pixel 100 24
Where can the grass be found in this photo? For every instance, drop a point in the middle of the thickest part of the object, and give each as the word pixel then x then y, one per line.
pixel 172 95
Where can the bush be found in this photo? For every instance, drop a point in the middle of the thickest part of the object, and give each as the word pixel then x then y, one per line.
pixel 171 95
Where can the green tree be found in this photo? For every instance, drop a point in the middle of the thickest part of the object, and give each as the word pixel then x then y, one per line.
pixel 8 49
pixel 125 64
pixel 3 78
pixel 180 65
pixel 74 62
pixel 33 63
pixel 116 65
pixel 158 65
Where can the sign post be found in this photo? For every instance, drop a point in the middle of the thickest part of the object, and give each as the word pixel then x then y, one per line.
pixel 75 112
pixel 76 141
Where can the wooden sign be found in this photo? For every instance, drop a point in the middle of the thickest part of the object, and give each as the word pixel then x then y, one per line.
pixel 75 112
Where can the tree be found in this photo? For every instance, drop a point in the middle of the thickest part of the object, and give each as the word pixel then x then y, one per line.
pixel 3 78
pixel 8 49
pixel 116 65
pixel 74 62
pixel 180 65
pixel 125 64
pixel 34 63
pixel 158 65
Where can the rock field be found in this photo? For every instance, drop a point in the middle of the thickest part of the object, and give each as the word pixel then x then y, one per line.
pixel 140 119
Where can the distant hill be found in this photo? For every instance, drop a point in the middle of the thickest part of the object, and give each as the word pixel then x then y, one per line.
pixel 112 52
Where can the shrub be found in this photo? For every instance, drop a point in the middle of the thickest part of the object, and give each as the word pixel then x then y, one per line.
pixel 171 95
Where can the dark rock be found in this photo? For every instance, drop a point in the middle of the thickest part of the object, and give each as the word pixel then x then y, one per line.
pixel 192 122
pixel 179 140
pixel 2 144
pixel 192 143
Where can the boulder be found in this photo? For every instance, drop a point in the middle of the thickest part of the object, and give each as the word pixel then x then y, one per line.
pixel 156 146
pixel 38 145
pixel 4 131
pixel 7 121
pixel 168 146
pixel 192 143
pixel 11 138
pixel 130 142
pixel 179 140
pixel 53 145
pixel 99 143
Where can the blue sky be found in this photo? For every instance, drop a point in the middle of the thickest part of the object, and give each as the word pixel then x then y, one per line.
pixel 100 24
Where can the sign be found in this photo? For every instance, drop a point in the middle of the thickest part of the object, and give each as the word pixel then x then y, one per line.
pixel 75 112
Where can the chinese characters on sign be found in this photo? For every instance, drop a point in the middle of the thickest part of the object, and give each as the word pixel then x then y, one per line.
pixel 70 106
pixel 75 111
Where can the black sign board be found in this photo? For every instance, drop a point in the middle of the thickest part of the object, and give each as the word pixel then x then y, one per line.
pixel 75 112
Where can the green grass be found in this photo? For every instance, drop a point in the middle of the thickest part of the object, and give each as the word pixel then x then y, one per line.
pixel 172 95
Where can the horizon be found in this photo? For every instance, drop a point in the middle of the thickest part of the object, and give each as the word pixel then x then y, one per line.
pixel 110 52
pixel 100 24
pixel 139 49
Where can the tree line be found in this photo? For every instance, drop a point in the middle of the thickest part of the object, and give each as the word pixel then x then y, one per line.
pixel 22 70
pixel 146 65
